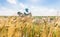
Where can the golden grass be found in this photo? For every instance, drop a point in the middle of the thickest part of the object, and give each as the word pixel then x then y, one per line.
pixel 14 26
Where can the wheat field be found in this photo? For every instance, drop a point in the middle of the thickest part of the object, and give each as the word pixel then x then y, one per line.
pixel 15 26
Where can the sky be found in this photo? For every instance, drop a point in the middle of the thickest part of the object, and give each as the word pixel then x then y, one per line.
pixel 36 7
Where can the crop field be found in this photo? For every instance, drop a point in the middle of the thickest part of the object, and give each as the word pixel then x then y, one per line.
pixel 15 26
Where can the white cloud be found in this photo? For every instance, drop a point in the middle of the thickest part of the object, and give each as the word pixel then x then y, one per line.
pixel 12 1
pixel 34 0
pixel 36 11
pixel 7 12
pixel 41 11
pixel 22 5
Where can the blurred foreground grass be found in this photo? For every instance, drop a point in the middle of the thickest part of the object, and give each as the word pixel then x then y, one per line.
pixel 15 26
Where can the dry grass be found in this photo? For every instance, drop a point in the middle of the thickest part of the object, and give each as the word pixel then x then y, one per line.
pixel 14 26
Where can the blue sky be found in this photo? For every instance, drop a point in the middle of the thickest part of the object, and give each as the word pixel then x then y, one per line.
pixel 37 7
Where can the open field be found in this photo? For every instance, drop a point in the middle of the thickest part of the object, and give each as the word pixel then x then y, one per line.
pixel 15 26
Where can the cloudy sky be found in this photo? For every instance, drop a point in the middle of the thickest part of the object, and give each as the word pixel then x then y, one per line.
pixel 37 7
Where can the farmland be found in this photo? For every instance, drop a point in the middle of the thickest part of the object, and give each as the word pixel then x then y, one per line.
pixel 15 26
